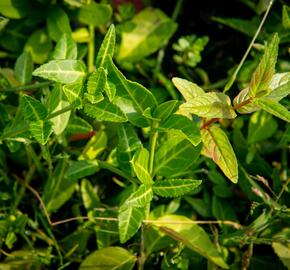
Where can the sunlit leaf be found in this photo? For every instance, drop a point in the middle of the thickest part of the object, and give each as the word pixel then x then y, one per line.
pixel 74 93
pixel 33 110
pixel 141 197
pixel 188 90
pixel 165 109
pixel 65 48
pixel 89 195
pixel 41 130
pixel 78 125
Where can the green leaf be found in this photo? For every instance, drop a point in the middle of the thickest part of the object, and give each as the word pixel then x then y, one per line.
pixel 74 93
pixel 222 210
pixel 89 195
pixel 23 68
pixel 140 198
pixel 188 128
pixel 110 90
pixel 62 71
pixel 107 48
pixel 39 46
pixel 165 109
pixel 217 146
pixel 132 98
pixel 105 111
pixel 58 189
pixel 140 164
pixel 33 110
pixel 109 258
pixel 96 85
pixel 211 105
pixel 191 235
pixel 95 14
pixel 130 220
pixel 152 30
pixel 261 126
pixel 286 17
pixel 264 72
pixel 57 23
pixel 78 125
pixel 15 9
pixel 81 168
pixel 57 102
pixel 283 252
pixel 65 48
pixel 273 107
pixel 174 187
pixel 128 144
pixel 188 90
pixel 280 92
pixel 175 155
pixel 41 130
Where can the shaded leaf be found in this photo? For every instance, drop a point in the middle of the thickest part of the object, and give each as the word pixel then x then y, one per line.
pixel 15 9
pixel 140 164
pixel 174 187
pixel 105 111
pixel 81 168
pixel 188 90
pixel 211 105
pixel 65 48
pixel 23 68
pixel 109 258
pixel 62 71
pixel 33 110
pixel 41 130
pixel 89 195
pixel 217 146
pixel 283 252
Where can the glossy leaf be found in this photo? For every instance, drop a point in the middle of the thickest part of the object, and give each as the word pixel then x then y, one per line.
pixel 130 220
pixel 23 68
pixel 107 48
pixel 128 144
pixel 217 146
pixel 261 126
pixel 174 187
pixel 188 90
pixel 65 48
pixel 109 258
pixel 33 110
pixel 273 107
pixel 211 105
pixel 110 90
pixel 58 102
pixel 140 164
pixel 57 23
pixel 95 14
pixel 152 30
pixel 62 71
pixel 280 92
pixel 78 125
pixel 188 128
pixel 96 85
pixel 41 130
pixel 74 93
pixel 191 235
pixel 132 98
pixel 39 46
pixel 175 155
pixel 81 168
pixel 164 110
pixel 105 111
pixel 263 74
pixel 141 197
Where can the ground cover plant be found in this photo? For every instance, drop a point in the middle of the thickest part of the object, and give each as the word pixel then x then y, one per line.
pixel 144 134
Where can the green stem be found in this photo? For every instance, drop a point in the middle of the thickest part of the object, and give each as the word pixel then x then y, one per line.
pixel 64 110
pixel 109 167
pixel 28 87
pixel 234 76
pixel 152 145
pixel 35 158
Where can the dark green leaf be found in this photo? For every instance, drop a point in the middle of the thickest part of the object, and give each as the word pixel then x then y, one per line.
pixel 81 168
pixel 89 195
pixel 33 110
pixel 164 110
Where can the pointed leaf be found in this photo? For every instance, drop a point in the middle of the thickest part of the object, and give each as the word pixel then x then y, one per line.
pixel 81 168
pixel 188 90
pixel 89 195
pixel 128 144
pixel 211 105
pixel 165 109
pixel 191 235
pixel 32 109
pixel 273 107
pixel 131 97
pixel 263 74
pixel 217 146
pixel 174 187
pixel 188 128
pixel 78 125
pixel 65 48
pixel 41 130
pixel 280 92
pixel 141 197
pixel 74 93
pixel 110 90
pixel 107 48
pixel 105 111
pixel 96 85
pixel 63 71
pixel 140 163
pixel 130 220
pixel 23 68
pixel 109 258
